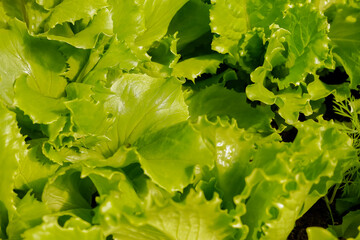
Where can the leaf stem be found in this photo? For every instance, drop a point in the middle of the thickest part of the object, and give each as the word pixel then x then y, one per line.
pixel 327 202
pixel 337 186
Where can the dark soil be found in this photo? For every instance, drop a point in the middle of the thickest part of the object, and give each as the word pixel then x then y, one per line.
pixel 318 215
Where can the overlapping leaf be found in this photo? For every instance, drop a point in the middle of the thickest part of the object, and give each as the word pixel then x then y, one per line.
pixel 297 177
pixel 13 149
pixel 217 101
pixel 345 36
pixel 231 19
pixel 137 129
pixel 298 46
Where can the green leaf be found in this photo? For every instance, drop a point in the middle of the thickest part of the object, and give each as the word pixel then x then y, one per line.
pixel 58 20
pixel 251 50
pixel 11 63
pixel 3 17
pixel 61 22
pixel 40 108
pixel 174 153
pixel 107 60
pixel 75 60
pixel 64 11
pixel 190 22
pixel 291 101
pixel 318 90
pixel 86 38
pixel 307 43
pixel 243 16
pixel 195 218
pixel 117 198
pixel 157 15
pixel 297 173
pixel 89 117
pixel 343 205
pixel 29 213
pixel 120 145
pixel 45 67
pixel 118 55
pixel 34 171
pixel 345 37
pixel 128 19
pixel 192 68
pixel 337 149
pixel 139 108
pixel 216 101
pixel 154 69
pixel 67 190
pixel 74 228
pixel 13 9
pixel 48 4
pixel 27 11
pixel 56 131
pixel 24 54
pixel 164 51
pixel 319 233
pixel 12 147
pixel 121 158
pixel 145 232
pixel 349 228
pixel 75 153
pixel 235 149
pixel 79 91
pixel 297 46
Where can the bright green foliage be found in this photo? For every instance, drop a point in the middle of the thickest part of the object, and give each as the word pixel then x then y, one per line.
pixel 203 219
pixel 165 51
pixel 66 191
pixel 139 108
pixel 251 50
pixel 192 68
pixel 157 15
pixel 21 54
pixel 74 228
pixel 127 19
pixel 349 227
pixel 189 119
pixel 297 47
pixel 285 168
pixel 190 22
pixel 166 150
pixel 230 19
pixel 64 12
pixel 29 212
pixel 83 38
pixel 217 101
pixel 28 99
pixel 156 216
pixel 34 171
pixel 13 149
pixel 345 36
pixel 319 233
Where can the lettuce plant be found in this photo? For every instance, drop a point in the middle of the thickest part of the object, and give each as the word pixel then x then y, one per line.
pixel 188 119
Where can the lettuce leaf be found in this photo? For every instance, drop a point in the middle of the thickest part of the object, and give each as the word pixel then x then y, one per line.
pixel 13 148
pixel 73 228
pixel 297 47
pixel 216 101
pixel 191 119
pixel 345 36
pixel 243 16
pixel 174 153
